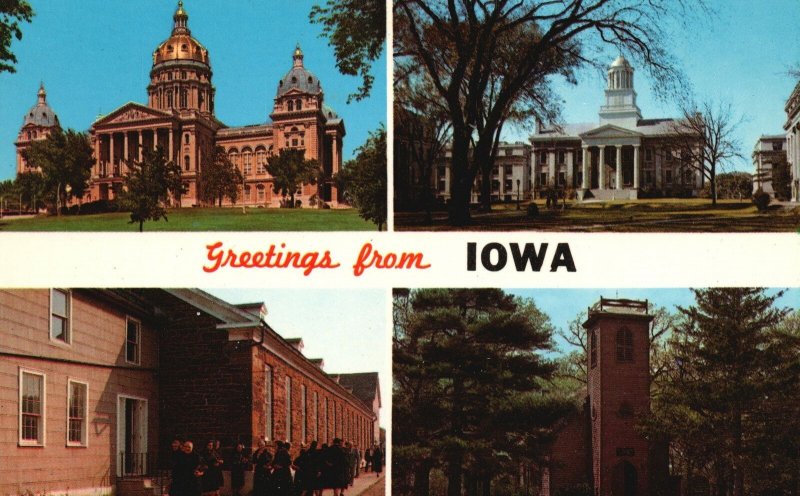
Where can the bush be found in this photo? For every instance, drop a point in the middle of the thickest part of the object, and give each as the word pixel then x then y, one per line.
pixel 533 211
pixel 99 207
pixel 761 200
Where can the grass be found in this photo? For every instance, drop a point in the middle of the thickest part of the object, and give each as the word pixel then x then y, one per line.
pixel 662 215
pixel 202 219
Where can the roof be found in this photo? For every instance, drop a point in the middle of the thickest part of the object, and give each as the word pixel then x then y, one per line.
pixel 299 78
pixel 647 127
pixel 41 114
pixel 364 385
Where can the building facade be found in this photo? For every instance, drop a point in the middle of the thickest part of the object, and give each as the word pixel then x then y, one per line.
pixel 600 446
pixel 180 118
pixel 767 150
pixel 96 383
pixel 37 125
pixel 792 128
pixel 623 157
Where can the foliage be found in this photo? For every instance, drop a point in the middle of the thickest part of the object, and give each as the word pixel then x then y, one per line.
pixel 705 137
pixel 290 170
pixel 491 62
pixel 761 200
pixel 65 160
pixel 734 185
pixel 364 179
pixel 781 178
pixel 469 379
pixel 219 178
pixel 716 401
pixel 148 185
pixel 357 31
pixel 31 185
pixel 12 13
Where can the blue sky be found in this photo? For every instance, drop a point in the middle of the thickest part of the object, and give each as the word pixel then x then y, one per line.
pixel 740 55
pixel 563 305
pixel 348 328
pixel 96 55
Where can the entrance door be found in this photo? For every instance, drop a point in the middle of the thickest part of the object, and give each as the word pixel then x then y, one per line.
pixel 624 481
pixel 131 436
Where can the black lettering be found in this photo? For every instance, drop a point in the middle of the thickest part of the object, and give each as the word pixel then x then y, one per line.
pixel 486 257
pixel 529 256
pixel 563 258
pixel 471 258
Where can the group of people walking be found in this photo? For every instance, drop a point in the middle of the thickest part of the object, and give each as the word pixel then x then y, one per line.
pixel 315 468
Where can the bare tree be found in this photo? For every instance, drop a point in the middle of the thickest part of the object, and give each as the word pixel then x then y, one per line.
pixel 706 137
pixel 463 45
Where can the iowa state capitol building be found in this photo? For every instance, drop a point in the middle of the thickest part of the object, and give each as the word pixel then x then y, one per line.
pixel 179 117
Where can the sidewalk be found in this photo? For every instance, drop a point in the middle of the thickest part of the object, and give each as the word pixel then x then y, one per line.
pixel 367 484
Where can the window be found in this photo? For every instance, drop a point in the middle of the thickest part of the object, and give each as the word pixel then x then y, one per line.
pixel 327 425
pixel 184 98
pixel 186 138
pixel 31 408
pixel 543 178
pixel 777 146
pixel 170 100
pixel 561 157
pixel 315 411
pixel 186 162
pixel 593 348
pixel 133 341
pixel 268 401
pixel 335 423
pixel 60 303
pixel 299 104
pixel 303 422
pixel 247 159
pixel 247 193
pixel 260 189
pixel 261 161
pixel 624 345
pixel 648 154
pixel 542 157
pixel 668 154
pixel 288 408
pixel 77 407
pixel 562 178
pixel 291 106
pixel 668 176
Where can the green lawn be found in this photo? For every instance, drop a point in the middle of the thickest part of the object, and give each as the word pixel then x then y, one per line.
pixel 662 215
pixel 203 219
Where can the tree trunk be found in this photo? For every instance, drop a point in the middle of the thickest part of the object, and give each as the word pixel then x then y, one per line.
pixel 293 203
pixel 714 186
pixel 141 226
pixel 460 180
pixel 454 471
pixel 471 481
pixel 486 482
pixel 422 478
pixel 738 469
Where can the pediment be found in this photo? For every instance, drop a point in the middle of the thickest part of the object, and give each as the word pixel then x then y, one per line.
pixel 131 112
pixel 610 131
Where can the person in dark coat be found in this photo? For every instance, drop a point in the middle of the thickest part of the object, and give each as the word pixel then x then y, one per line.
pixel 337 466
pixel 301 471
pixel 348 452
pixel 174 454
pixel 188 470
pixel 377 460
pixel 262 468
pixel 211 480
pixel 282 470
pixel 367 459
pixel 239 464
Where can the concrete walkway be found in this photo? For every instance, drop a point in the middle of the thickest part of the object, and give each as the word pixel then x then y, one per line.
pixel 366 484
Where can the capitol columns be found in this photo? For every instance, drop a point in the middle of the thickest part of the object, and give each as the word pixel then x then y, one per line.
pixel 636 166
pixel 601 168
pixel 171 153
pixel 585 168
pixel 111 157
pixel 618 179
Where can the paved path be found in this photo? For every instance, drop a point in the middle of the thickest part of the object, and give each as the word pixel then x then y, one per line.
pixel 367 484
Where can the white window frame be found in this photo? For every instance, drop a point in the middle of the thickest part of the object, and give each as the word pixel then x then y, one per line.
pixel 84 443
pixel 138 360
pixel 42 441
pixel 68 317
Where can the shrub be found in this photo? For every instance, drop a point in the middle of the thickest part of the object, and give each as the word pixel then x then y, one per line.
pixel 761 200
pixel 533 211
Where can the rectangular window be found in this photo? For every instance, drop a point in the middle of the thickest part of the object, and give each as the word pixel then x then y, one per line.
pixel 60 303
pixel 288 408
pixel 315 407
pixel 543 157
pixel 327 424
pixel 133 341
pixel 562 178
pixel 77 406
pixel 304 420
pixel 335 424
pixel 561 157
pixel 543 178
pixel 668 176
pixel 268 401
pixel 31 408
pixel 648 154
pixel 247 159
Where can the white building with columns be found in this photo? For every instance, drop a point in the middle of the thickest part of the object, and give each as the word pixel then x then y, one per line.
pixel 792 128
pixel 621 157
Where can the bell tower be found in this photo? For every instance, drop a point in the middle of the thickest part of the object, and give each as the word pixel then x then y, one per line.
pixel 619 395
pixel 620 108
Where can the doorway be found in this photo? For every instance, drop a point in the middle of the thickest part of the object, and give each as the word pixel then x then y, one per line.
pixel 131 436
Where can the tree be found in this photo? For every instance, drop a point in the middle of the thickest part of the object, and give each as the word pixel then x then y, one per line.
pixel 31 186
pixel 734 185
pixel 290 170
pixel 481 56
pixel 364 179
pixel 781 177
pixel 729 362
pixel 12 13
pixel 65 160
pixel 219 178
pixel 469 382
pixel 705 136
pixel 148 185
pixel 357 31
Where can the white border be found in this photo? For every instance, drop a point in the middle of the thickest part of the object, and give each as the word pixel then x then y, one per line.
pixel 24 442
pixel 85 442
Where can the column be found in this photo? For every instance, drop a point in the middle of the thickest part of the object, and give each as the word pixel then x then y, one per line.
pixel 155 139
pixel 585 168
pixel 334 166
pixel 534 172
pixel 141 148
pixel 111 157
pixel 551 173
pixel 636 166
pixel 619 167
pixel 601 168
pixel 171 153
pixel 570 162
pixel 659 154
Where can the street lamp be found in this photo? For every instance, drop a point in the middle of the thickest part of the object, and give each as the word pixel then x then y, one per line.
pixel 517 194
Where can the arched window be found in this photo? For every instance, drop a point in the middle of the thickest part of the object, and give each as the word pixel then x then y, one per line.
pixel 233 156
pixel 291 105
pixel 624 345
pixel 247 159
pixel 184 98
pixel 186 162
pixel 299 104
pixel 261 192
pixel 261 161
pixel 593 348
pixel 186 138
pixel 247 192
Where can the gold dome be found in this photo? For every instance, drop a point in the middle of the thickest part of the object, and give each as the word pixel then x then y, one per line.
pixel 180 45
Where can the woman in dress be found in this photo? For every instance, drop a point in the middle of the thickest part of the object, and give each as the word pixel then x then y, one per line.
pixel 239 463
pixel 262 467
pixel 213 473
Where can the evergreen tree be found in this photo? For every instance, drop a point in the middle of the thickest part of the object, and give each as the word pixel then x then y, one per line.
pixel 781 178
pixel 148 185
pixel 468 387
pixel 364 179
pixel 290 171
pixel 219 179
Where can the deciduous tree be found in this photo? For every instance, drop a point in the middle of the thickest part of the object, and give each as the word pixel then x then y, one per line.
pixel 290 170
pixel 364 179
pixel 219 178
pixel 148 185
pixel 12 13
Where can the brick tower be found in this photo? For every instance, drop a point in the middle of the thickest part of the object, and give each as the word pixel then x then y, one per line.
pixel 619 395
